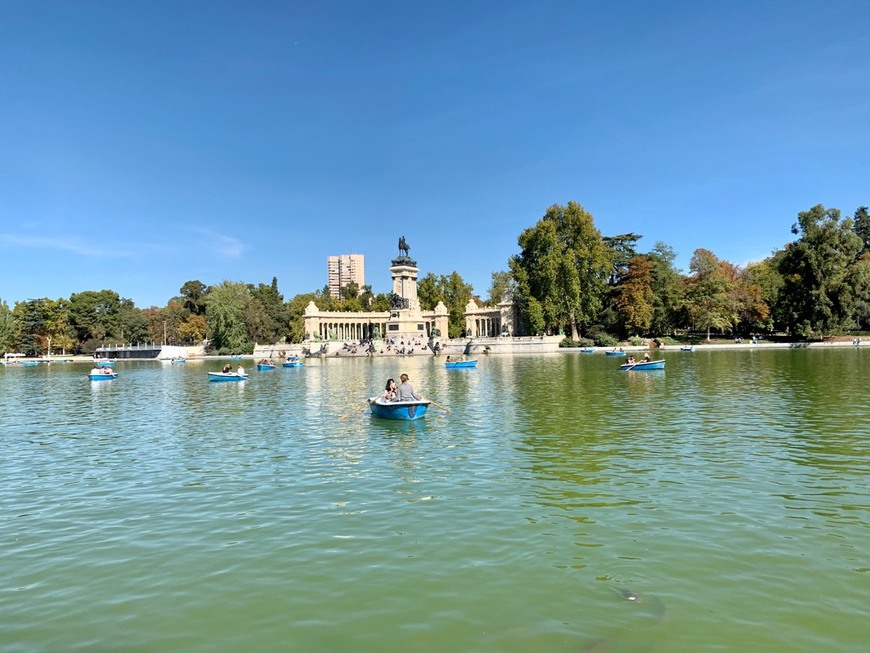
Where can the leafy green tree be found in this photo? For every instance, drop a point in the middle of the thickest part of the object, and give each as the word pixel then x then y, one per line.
pixel 501 283
pixel 93 314
pixel 563 265
pixel 193 296
pixel 32 325
pixel 8 329
pixel 268 318
pixel 668 290
pixel 225 314
pixel 429 292
pixel 350 291
pixel 296 312
pixel 622 248
pixel 708 295
pixel 130 324
pixel 862 228
pixel 58 331
pixel 634 295
pixel 816 297
pixel 456 294
pixel 858 279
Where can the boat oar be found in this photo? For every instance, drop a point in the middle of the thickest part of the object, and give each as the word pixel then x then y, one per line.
pixel 354 412
pixel 435 403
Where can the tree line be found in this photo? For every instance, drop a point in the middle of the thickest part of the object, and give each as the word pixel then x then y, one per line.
pixel 567 278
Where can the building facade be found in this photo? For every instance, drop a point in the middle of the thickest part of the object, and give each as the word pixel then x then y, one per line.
pixel 344 269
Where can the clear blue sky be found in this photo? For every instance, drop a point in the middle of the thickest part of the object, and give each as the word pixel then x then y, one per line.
pixel 147 143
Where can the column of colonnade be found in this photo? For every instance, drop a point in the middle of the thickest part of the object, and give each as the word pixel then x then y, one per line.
pixel 487 327
pixel 349 330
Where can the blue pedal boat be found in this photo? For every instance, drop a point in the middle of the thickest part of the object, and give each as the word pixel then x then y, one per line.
pixel 265 366
pixel 644 365
pixel 103 376
pixel 292 364
pixel 615 353
pixel 226 376
pixel 404 410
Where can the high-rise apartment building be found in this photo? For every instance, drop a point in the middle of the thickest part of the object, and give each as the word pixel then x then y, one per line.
pixel 343 269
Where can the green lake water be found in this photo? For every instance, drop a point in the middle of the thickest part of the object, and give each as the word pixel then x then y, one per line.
pixel 160 512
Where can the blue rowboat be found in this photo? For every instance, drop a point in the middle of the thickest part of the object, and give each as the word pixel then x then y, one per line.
pixel 265 366
pixel 456 364
pixel 102 363
pixel 105 376
pixel 176 361
pixel 235 357
pixel 226 376
pixel 405 410
pixel 615 353
pixel 292 364
pixel 587 350
pixel 644 365
pixel 691 348
pixel 30 363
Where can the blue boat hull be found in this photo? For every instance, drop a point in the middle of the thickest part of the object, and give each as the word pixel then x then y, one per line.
pixel 292 364
pixel 102 377
pixel 223 376
pixel 651 365
pixel 265 367
pixel 615 353
pixel 457 364
pixel 403 410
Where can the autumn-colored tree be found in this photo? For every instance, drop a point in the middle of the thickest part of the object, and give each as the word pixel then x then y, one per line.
pixel 634 295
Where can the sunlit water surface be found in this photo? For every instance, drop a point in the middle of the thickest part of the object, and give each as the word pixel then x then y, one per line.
pixel 162 512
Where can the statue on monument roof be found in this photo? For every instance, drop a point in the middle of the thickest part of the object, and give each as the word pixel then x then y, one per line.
pixel 404 248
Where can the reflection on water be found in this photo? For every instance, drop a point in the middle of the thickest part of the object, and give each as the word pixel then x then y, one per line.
pixel 728 491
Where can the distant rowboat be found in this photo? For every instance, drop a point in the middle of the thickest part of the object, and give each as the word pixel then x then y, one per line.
pixel 615 353
pixel 265 366
pixel 644 365
pixel 455 364
pixel 226 376
pixel 292 364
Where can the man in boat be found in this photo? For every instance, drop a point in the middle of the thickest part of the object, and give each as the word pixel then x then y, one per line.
pixel 405 392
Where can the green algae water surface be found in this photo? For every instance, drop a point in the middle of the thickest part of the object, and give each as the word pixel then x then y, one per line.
pixel 562 505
